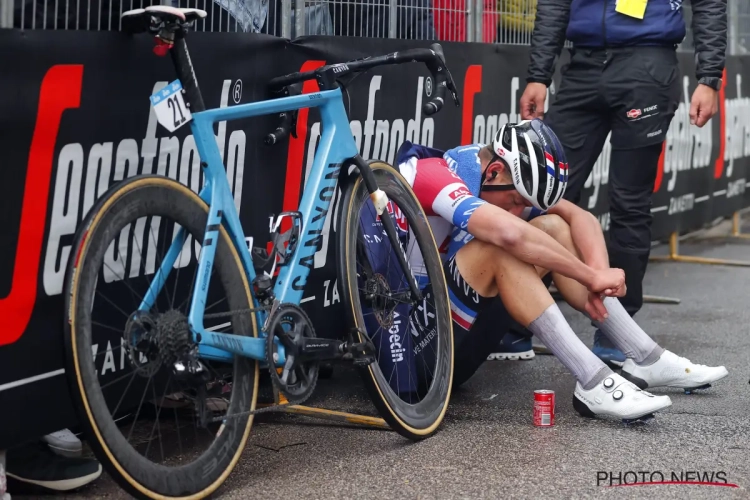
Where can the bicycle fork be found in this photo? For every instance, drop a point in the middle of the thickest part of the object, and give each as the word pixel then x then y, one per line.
pixel 380 200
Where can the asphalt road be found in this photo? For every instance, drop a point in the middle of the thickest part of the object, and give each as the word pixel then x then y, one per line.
pixel 488 447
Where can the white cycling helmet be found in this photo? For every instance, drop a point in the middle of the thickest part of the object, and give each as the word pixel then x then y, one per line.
pixel 536 160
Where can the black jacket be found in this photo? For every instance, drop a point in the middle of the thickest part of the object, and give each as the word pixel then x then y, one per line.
pixel 594 23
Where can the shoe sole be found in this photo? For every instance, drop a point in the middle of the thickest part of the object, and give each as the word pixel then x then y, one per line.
pixel 63 485
pixel 511 356
pixel 583 410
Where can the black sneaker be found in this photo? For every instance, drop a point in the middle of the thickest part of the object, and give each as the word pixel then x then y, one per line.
pixel 36 465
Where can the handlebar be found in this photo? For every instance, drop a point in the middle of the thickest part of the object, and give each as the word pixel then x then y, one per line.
pixel 433 58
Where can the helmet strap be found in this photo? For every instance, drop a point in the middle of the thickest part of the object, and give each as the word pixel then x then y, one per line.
pixel 501 187
pixel 493 187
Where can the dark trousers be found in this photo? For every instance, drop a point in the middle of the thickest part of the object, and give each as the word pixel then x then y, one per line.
pixel 632 93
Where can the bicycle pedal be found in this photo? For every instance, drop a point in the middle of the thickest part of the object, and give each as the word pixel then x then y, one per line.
pixel 364 360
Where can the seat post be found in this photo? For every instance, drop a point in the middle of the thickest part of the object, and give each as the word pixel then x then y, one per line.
pixel 186 73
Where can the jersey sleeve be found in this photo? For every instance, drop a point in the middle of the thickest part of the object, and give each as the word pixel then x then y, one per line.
pixel 530 213
pixel 442 192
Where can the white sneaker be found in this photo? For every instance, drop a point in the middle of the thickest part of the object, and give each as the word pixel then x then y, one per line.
pixel 64 443
pixel 616 397
pixel 672 370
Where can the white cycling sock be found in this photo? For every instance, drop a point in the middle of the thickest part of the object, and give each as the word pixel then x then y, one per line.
pixel 627 336
pixel 552 329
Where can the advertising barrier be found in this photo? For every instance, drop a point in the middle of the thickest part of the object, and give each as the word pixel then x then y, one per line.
pixel 75 118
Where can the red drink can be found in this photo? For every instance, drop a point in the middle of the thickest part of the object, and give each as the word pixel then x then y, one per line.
pixel 544 408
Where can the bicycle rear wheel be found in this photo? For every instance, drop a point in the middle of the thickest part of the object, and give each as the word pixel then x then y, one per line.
pixel 121 364
pixel 410 382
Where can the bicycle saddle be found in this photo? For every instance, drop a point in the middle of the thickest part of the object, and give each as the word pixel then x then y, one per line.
pixel 141 20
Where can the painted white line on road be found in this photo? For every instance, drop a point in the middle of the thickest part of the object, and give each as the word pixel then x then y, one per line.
pixel 659 209
pixel 307 299
pixel 720 192
pixel 31 380
pixel 702 198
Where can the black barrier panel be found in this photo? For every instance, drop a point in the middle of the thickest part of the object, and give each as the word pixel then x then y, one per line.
pixel 74 118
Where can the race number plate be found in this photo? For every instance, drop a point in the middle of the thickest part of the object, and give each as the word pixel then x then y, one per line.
pixel 170 108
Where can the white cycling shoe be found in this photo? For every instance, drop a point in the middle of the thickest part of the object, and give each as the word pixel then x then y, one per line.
pixel 672 370
pixel 616 397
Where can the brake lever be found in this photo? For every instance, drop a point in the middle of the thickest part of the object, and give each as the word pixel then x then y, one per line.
pixel 437 49
pixel 452 88
pixel 287 121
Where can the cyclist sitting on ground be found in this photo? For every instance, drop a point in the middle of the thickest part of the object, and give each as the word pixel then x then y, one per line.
pixel 498 215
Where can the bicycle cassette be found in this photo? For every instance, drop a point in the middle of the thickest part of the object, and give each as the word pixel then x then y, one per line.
pixel 289 327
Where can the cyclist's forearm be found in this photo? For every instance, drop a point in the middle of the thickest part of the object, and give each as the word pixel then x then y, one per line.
pixel 527 243
pixel 540 249
pixel 588 238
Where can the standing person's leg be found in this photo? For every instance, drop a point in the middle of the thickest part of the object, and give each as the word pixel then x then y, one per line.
pixel 643 87
pixel 578 116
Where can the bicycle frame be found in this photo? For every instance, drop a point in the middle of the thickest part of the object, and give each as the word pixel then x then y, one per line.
pixel 335 148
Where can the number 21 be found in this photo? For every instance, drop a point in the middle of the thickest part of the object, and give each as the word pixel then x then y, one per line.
pixel 174 103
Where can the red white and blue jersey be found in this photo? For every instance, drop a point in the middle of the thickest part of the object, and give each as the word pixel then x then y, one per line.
pixel 447 186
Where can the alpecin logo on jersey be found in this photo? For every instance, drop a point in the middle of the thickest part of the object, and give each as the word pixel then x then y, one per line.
pixel 458 193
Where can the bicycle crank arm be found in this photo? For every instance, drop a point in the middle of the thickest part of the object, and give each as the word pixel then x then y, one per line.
pixel 317 349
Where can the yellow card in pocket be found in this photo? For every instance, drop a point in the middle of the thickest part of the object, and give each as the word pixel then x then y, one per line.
pixel 632 8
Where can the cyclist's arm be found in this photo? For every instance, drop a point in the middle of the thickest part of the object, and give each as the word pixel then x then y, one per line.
pixel 586 233
pixel 494 225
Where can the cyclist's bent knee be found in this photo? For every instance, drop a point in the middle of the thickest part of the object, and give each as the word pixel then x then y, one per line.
pixel 476 264
pixel 553 225
pixel 483 265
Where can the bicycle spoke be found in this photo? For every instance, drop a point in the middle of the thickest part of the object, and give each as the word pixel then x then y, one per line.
pixel 107 327
pixel 112 304
pixel 122 377
pixel 122 397
pixel 138 412
pixel 156 423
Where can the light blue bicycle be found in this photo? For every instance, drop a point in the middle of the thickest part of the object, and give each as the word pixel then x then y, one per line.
pixel 184 356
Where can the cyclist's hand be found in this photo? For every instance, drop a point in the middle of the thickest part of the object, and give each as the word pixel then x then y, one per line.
pixel 532 101
pixel 609 282
pixel 595 307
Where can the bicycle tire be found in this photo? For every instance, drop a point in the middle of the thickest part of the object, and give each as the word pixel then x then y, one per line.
pixel 422 420
pixel 124 203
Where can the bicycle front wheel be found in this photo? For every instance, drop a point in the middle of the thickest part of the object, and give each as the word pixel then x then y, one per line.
pixel 410 380
pixel 151 418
